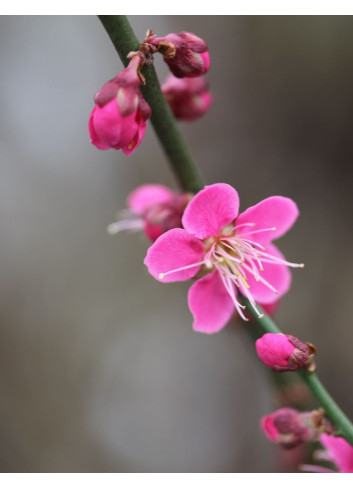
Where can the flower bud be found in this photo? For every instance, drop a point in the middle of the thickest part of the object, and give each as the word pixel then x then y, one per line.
pixel 162 217
pixel 189 98
pixel 288 427
pixel 152 208
pixel 283 353
pixel 119 118
pixel 185 54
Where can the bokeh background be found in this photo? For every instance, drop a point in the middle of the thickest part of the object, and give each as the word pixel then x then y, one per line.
pixel 99 367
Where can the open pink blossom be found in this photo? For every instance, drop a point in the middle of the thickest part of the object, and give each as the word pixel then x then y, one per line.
pixel 185 54
pixel 119 118
pixel 337 451
pixel 189 98
pixel 153 208
pixel 232 251
pixel 282 353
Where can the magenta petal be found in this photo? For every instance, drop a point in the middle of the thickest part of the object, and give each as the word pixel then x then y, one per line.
pixel 277 275
pixel 145 196
pixel 341 452
pixel 139 135
pixel 210 304
pixel 211 210
pixel 279 212
pixel 93 135
pixel 174 249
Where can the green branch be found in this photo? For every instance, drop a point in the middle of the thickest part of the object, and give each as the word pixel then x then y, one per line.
pixel 187 173
pixel 173 143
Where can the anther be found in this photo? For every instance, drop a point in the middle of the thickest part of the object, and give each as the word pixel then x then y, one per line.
pixel 161 276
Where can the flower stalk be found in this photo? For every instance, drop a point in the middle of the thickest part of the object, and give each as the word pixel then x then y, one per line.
pixel 190 180
pixel 163 121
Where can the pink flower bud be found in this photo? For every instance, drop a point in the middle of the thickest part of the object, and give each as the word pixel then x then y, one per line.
pixel 288 427
pixel 188 98
pixel 119 118
pixel 162 217
pixel 185 54
pixel 153 208
pixel 282 353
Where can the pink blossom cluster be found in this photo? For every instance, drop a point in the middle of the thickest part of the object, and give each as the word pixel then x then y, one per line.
pixel 119 118
pixel 291 428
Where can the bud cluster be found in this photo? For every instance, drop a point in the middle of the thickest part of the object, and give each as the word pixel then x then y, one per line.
pixel 119 118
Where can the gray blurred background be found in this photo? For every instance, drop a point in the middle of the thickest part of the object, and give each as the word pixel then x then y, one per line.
pixel 99 367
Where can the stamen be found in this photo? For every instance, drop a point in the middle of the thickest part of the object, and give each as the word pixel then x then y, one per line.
pixel 229 287
pixel 267 258
pixel 257 231
pixel 132 224
pixel 207 263
pixel 261 279
pixel 245 224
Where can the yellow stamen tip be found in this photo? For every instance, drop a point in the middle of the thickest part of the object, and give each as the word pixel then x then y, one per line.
pixel 261 316
pixel 161 276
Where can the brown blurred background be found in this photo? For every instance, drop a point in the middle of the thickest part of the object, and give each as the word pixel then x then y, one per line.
pixel 99 367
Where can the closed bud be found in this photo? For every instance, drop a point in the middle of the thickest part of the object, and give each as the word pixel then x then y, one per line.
pixel 288 427
pixel 185 54
pixel 284 353
pixel 189 98
pixel 119 118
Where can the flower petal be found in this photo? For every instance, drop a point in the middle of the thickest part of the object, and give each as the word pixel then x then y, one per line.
pixel 145 196
pixel 93 135
pixel 174 249
pixel 210 210
pixel 141 126
pixel 210 304
pixel 340 450
pixel 279 212
pixel 277 275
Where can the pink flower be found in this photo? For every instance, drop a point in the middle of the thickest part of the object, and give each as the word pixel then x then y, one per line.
pixel 119 118
pixel 282 353
pixel 152 208
pixel 184 53
pixel 288 427
pixel 189 98
pixel 338 451
pixel 233 250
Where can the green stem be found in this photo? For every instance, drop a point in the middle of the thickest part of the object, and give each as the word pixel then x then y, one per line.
pixel 345 428
pixel 169 135
pixel 124 40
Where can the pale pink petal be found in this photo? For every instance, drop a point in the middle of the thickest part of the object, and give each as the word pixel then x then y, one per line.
pixel 145 196
pixel 279 212
pixel 211 210
pixel 210 304
pixel 276 275
pixel 340 450
pixel 174 249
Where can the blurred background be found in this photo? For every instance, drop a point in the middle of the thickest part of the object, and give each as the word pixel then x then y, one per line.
pixel 100 369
